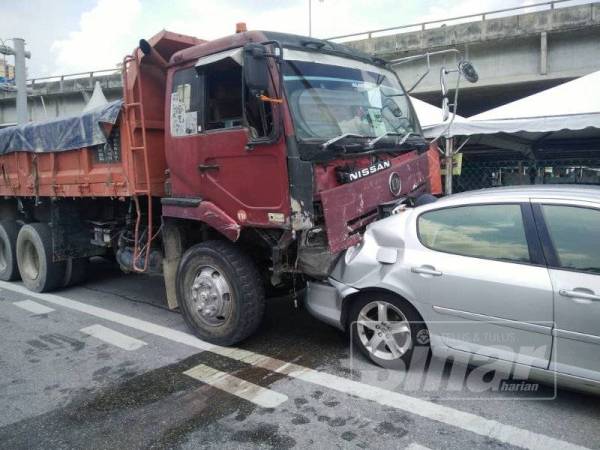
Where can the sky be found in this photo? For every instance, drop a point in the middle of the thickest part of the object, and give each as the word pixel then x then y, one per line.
pixel 69 36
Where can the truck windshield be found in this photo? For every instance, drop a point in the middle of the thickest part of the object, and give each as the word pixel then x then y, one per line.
pixel 330 96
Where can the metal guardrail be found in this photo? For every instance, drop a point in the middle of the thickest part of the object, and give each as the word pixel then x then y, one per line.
pixel 481 16
pixel 91 75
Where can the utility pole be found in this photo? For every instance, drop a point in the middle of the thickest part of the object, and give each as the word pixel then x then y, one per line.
pixel 20 75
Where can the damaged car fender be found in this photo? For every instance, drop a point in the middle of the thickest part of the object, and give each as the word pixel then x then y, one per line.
pixel 376 263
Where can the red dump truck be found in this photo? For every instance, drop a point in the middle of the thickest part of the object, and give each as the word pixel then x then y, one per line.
pixel 229 166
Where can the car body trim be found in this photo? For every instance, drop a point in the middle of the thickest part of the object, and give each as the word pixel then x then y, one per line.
pixel 575 336
pixel 526 326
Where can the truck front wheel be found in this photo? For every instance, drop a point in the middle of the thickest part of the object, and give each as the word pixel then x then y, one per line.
pixel 34 258
pixel 220 292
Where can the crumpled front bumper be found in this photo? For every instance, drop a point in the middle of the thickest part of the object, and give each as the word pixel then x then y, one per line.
pixel 324 300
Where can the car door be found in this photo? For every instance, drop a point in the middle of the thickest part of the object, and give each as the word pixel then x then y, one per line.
pixel 480 268
pixel 572 234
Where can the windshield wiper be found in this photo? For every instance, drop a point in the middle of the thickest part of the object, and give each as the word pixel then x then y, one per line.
pixel 405 136
pixel 331 141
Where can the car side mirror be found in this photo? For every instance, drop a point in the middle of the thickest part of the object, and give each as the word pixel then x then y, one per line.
pixel 256 70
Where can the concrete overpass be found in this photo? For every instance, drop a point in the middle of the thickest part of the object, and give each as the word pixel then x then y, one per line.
pixel 62 95
pixel 517 51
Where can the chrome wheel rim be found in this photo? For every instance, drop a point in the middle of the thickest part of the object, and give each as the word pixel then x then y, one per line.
pixel 384 330
pixel 211 295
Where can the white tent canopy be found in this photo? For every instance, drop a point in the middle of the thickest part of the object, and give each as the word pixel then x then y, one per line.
pixel 430 116
pixel 574 105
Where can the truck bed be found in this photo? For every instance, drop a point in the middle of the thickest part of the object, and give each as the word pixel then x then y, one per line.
pixel 104 152
pixel 68 157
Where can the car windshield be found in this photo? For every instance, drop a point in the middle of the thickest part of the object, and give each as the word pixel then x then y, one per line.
pixel 331 96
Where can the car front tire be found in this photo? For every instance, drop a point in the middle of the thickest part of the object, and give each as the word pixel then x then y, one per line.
pixel 388 330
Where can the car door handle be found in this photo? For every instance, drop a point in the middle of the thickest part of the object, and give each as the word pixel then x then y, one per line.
pixel 426 270
pixel 581 294
pixel 205 167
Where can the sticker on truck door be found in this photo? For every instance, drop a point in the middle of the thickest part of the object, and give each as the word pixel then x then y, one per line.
pixel 183 121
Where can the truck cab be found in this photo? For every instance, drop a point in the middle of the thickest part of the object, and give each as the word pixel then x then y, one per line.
pixel 290 145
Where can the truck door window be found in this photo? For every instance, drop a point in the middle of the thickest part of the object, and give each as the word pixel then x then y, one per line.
pixel 224 94
pixel 259 116
pixel 226 107
pixel 187 98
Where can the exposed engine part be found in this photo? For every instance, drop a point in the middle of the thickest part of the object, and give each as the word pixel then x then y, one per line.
pixel 314 257
pixel 387 209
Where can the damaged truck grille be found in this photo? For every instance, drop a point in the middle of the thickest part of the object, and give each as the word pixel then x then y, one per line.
pixel 350 207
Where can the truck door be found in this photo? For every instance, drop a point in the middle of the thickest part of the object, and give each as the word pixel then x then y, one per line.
pixel 220 148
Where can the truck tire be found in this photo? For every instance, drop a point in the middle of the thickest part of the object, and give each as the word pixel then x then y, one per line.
pixel 9 270
pixel 34 257
pixel 75 271
pixel 220 292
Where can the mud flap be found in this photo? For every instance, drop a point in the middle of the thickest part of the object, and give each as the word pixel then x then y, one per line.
pixel 173 247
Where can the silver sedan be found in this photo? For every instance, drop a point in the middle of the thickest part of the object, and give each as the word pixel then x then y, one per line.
pixel 510 273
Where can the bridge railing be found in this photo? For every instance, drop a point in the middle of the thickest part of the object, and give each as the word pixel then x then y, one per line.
pixel 90 76
pixel 458 19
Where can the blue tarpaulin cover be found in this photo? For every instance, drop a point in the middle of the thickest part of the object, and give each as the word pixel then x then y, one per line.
pixel 58 135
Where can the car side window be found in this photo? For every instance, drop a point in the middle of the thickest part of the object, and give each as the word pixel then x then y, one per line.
pixel 575 234
pixel 187 101
pixel 482 231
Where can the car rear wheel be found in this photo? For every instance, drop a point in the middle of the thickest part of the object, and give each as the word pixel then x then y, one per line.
pixel 388 330
pixel 34 258
pixel 220 292
pixel 9 270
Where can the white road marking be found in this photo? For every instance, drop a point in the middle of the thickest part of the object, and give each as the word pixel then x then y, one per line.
pixel 31 306
pixel 415 446
pixel 236 386
pixel 113 337
pixel 493 429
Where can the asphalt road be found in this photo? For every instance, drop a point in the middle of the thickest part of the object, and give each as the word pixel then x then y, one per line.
pixel 105 365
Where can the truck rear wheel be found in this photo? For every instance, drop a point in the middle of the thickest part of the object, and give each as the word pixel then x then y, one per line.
pixel 220 292
pixel 9 270
pixel 34 258
pixel 75 271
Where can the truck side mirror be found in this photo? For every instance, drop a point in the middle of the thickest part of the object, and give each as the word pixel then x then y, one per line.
pixel 468 71
pixel 256 71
